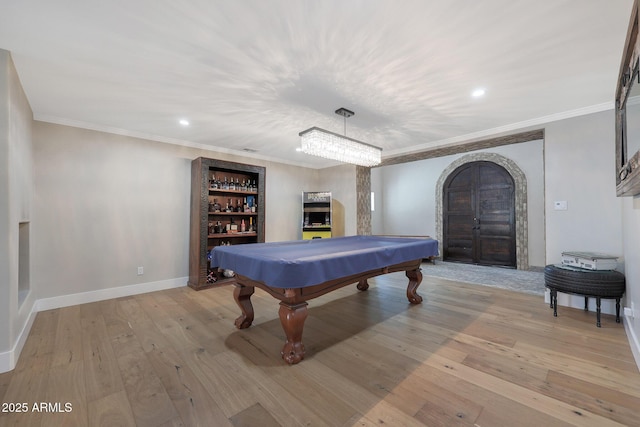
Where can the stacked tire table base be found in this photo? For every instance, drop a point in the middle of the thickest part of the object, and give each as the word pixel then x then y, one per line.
pixel 607 284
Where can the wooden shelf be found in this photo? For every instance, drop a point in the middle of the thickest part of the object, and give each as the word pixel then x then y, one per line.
pixel 238 192
pixel 203 170
pixel 231 235
pixel 234 213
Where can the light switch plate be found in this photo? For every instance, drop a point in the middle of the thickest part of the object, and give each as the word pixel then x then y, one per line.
pixel 560 205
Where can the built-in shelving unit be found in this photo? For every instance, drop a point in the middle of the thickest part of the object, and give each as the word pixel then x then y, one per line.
pixel 227 208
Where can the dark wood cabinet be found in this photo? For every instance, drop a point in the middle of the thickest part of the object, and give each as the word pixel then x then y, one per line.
pixel 221 214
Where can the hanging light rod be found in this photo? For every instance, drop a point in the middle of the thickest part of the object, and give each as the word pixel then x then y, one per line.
pixel 330 145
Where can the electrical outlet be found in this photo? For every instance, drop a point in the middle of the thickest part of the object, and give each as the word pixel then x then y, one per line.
pixel 140 271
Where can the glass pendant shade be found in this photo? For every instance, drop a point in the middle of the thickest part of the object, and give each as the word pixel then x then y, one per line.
pixel 322 143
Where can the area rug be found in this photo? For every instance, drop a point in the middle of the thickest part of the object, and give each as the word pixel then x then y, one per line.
pixel 531 282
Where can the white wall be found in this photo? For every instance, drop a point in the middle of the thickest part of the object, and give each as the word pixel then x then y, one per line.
pixel 16 189
pixel 6 243
pixel 630 246
pixel 341 181
pixel 580 168
pixel 406 194
pixel 284 187
pixel 631 250
pixel 580 163
pixel 106 204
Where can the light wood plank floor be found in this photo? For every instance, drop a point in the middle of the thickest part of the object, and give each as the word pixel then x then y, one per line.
pixel 468 356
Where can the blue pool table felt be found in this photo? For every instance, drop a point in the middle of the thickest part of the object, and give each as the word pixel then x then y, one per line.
pixel 302 263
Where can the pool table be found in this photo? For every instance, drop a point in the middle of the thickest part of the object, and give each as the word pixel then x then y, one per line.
pixel 297 271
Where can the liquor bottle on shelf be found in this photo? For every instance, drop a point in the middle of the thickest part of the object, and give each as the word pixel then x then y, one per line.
pixel 245 206
pixel 243 186
pixel 225 184
pixel 254 188
pixel 229 208
pixel 237 185
pixel 216 206
pixel 239 205
pixel 214 183
pixel 232 185
pixel 254 207
pixel 243 226
pixel 250 225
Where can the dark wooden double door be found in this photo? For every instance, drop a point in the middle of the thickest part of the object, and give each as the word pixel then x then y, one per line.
pixel 479 215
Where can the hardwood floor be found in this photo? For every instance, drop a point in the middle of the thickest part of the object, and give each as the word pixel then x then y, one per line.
pixel 467 356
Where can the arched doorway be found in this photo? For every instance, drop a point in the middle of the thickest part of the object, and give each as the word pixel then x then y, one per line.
pixel 478 209
pixel 522 222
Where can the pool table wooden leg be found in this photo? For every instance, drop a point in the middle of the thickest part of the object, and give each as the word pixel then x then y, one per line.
pixel 242 295
pixel 362 285
pixel 415 278
pixel 292 317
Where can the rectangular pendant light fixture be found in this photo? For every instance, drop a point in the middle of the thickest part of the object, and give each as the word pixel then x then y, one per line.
pixel 330 145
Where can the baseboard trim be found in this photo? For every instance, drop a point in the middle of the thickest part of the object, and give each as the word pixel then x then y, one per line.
pixel 634 343
pixel 103 294
pixel 9 359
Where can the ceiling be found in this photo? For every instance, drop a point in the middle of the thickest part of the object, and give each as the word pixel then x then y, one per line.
pixel 252 74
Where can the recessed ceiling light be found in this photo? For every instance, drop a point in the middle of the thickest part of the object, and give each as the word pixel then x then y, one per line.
pixel 184 122
pixel 478 93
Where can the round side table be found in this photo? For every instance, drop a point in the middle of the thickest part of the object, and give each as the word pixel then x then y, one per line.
pixel 607 284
